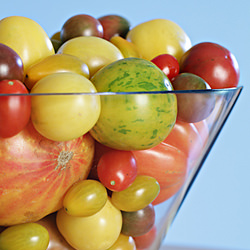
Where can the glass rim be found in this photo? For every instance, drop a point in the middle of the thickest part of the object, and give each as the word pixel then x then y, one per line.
pixel 197 91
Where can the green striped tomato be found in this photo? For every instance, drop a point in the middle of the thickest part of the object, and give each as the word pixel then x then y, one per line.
pixel 134 121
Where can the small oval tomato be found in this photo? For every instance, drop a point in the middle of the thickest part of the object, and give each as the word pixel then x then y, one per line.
pixel 138 195
pixel 117 169
pixel 31 236
pixel 168 64
pixel 138 222
pixel 14 109
pixel 85 198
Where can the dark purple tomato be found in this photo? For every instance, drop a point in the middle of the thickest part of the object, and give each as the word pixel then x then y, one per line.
pixel 193 107
pixel 114 25
pixel 212 62
pixel 11 65
pixel 81 25
pixel 139 222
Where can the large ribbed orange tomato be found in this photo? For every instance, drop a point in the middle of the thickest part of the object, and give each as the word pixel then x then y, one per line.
pixel 35 173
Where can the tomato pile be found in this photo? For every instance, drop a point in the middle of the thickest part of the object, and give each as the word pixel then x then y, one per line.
pixel 92 136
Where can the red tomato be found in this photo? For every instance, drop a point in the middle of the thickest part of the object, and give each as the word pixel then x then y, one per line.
pixel 117 169
pixel 212 62
pixel 167 164
pixel 186 137
pixel 14 110
pixel 168 64
pixel 144 241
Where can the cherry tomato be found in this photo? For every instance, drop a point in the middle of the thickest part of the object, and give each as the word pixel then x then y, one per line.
pixel 117 169
pixel 138 222
pixel 144 241
pixel 138 195
pixel 32 236
pixel 85 198
pixel 168 64
pixel 14 110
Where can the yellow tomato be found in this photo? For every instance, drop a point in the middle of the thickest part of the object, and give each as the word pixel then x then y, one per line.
pixel 94 51
pixel 27 38
pixel 124 242
pixel 30 236
pixel 138 195
pixel 85 198
pixel 64 117
pixel 159 36
pixel 99 231
pixel 54 64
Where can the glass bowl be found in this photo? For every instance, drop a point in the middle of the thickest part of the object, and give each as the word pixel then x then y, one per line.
pixel 192 135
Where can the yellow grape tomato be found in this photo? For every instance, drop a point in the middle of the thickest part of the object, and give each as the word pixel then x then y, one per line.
pixel 85 198
pixel 138 195
pixel 25 236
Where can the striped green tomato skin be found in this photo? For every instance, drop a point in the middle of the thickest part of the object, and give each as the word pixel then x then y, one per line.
pixel 133 121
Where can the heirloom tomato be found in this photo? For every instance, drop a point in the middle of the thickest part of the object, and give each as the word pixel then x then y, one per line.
pixel 15 109
pixel 212 62
pixel 64 117
pixel 159 36
pixel 168 64
pixel 138 222
pixel 99 231
pixel 38 172
pixel 131 121
pixel 138 195
pixel 85 198
pixel 27 38
pixel 32 236
pixel 117 169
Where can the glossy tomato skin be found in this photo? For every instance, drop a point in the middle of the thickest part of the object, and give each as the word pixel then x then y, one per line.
pixel 168 64
pixel 37 172
pixel 144 241
pixel 11 64
pixel 117 169
pixel 14 110
pixel 212 62
pixel 81 25
pixel 138 222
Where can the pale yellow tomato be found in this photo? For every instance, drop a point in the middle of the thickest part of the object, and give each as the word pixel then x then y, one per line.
pixel 124 242
pixel 85 198
pixel 27 38
pixel 24 236
pixel 159 36
pixel 94 51
pixel 99 231
pixel 64 117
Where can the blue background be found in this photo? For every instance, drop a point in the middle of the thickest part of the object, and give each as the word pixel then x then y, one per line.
pixel 216 212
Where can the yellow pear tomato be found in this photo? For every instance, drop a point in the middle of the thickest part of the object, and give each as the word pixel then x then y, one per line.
pixel 159 36
pixel 94 51
pixel 99 231
pixel 124 242
pixel 27 38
